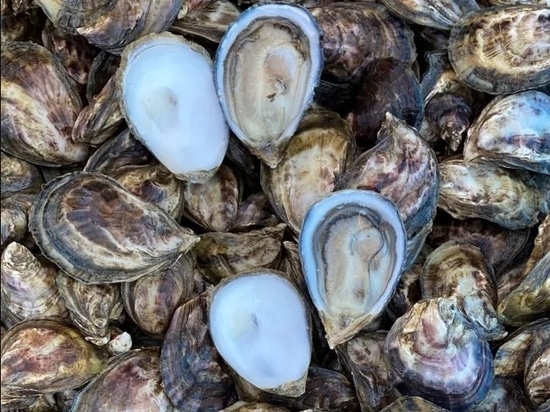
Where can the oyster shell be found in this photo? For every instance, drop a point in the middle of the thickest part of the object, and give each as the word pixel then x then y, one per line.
pixel 193 373
pixel 259 324
pixel 91 307
pixel 253 407
pixel 458 269
pixel 18 176
pixel 537 368
pixel 412 404
pixel 310 165
pixel 131 382
pixel 478 189
pixel 39 107
pixel 14 217
pixel 277 48
pixel 352 248
pixel 505 394
pixel 98 232
pixel 355 33
pixel 504 49
pixel 439 355
pixel 28 287
pixel 168 99
pixel 513 131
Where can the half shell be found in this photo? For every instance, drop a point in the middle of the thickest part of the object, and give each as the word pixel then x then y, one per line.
pixel 267 66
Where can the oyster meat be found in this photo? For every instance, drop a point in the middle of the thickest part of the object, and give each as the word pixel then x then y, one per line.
pixel 168 99
pixel 267 66
pixel 352 247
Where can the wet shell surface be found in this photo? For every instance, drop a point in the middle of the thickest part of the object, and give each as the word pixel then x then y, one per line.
pixel 504 49
pixel 352 248
pixel 98 232
pixel 276 46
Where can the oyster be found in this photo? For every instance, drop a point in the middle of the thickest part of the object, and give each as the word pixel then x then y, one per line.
pixel 352 248
pixel 14 217
pixel 458 269
pixel 537 368
pixel 91 307
pixel 355 33
pixel 310 165
pixel 44 356
pixel 131 382
pixel 258 323
pixel 18 176
pixel 168 99
pixel 479 189
pixel 275 48
pixel 253 407
pixel 513 131
pixel 193 373
pixel 412 404
pixel 504 395
pixel 439 355
pixel 39 107
pixel 28 287
pixel 98 232
pixel 504 49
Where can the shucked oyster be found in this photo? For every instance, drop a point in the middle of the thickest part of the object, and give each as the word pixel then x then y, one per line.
pixel 98 232
pixel 266 68
pixel 352 247
pixel 167 96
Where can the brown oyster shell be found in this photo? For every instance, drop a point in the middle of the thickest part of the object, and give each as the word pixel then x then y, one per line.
pixel 403 168
pixel 504 49
pixel 18 176
pixel 438 354
pixel 28 288
pixel 310 165
pixel 151 300
pixel 505 394
pixel 91 307
pixel 389 86
pixel 254 210
pixel 102 69
pixel 98 232
pixel 223 254
pixel 356 33
pixel 214 204
pixel 39 107
pixel 477 189
pixel 193 373
pixel 242 406
pixel 14 214
pixel 537 368
pixel 131 381
pixel 513 131
pixel 412 404
pixel 458 269
pixel 41 356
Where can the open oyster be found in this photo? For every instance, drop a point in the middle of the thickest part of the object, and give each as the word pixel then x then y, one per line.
pixel 352 246
pixel 267 66
pixel 98 232
pixel 259 324
pixel 167 96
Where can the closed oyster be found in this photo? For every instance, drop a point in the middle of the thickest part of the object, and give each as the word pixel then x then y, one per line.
pixel 28 287
pixel 439 355
pixel 277 48
pixel 168 99
pixel 477 189
pixel 103 68
pixel 39 107
pixel 91 307
pixel 505 49
pixel 352 248
pixel 223 255
pixel 355 33
pixel 537 368
pixel 254 210
pixel 18 176
pixel 98 232
pixel 513 131
pixel 14 217
pixel 412 404
pixel 531 297
pixel 130 382
pixel 111 25
pixel 310 165
pixel 414 188
pixel 458 269
pixel 389 86
pixel 259 324
pixel 151 300
pixel 193 373
pixel 44 356
pixel 214 204
pixel 504 395
pixel 253 407
pixel 439 14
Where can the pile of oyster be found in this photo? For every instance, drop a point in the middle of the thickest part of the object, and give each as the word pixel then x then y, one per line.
pixel 286 206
